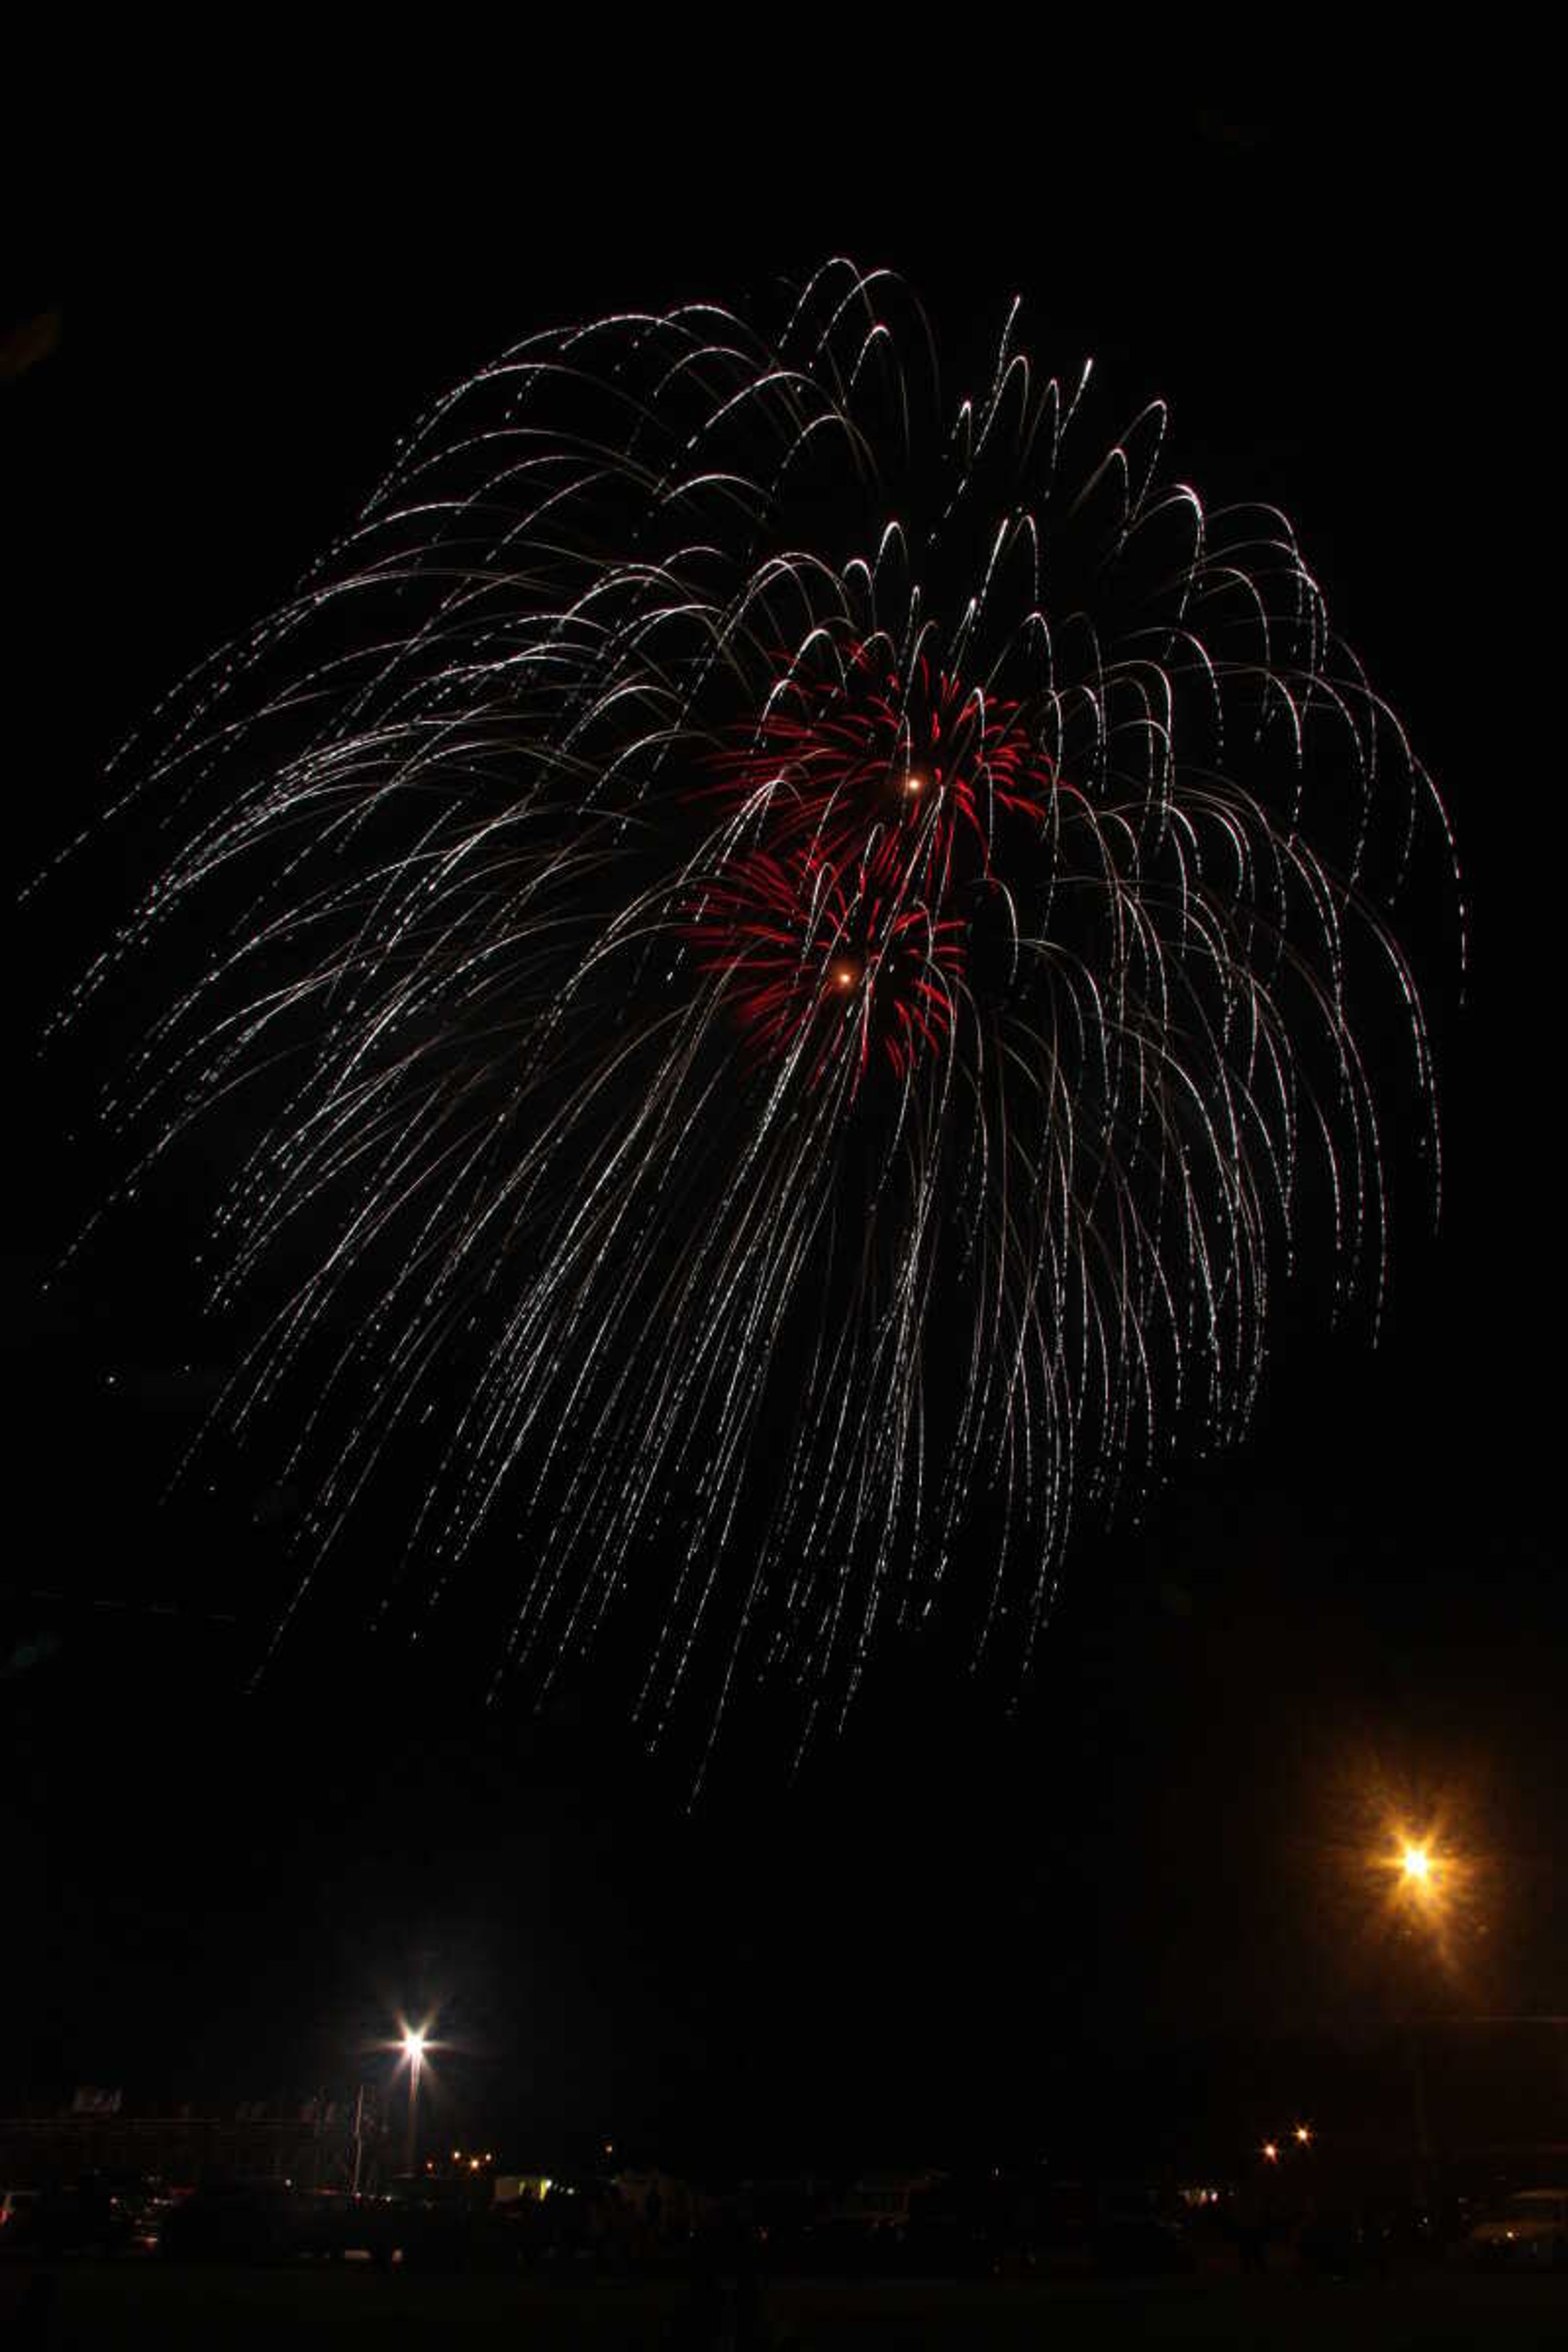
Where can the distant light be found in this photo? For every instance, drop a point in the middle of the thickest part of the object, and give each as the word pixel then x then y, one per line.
pixel 844 975
pixel 1303 2134
pixel 412 2041
pixel 1415 1862
pixel 1271 2153
pixel 913 783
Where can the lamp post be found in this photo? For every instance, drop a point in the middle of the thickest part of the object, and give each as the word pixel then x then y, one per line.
pixel 414 2051
pixel 1421 1886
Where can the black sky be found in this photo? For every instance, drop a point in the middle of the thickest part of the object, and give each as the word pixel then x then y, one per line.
pixel 215 1891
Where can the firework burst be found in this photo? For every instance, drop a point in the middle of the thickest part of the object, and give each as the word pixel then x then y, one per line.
pixel 797 950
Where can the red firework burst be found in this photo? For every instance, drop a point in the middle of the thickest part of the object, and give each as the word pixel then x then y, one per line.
pixel 875 797
pixel 834 758
pixel 856 955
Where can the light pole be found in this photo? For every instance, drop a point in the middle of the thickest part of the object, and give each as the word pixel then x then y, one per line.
pixel 1422 1886
pixel 414 2051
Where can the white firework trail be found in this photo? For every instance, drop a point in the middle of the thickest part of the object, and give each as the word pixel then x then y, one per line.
pixel 797 937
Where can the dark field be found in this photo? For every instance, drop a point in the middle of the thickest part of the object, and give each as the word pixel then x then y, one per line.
pixel 102 2305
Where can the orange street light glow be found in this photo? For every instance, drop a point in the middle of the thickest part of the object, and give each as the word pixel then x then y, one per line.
pixel 1415 1862
pixel 1271 2153
pixel 1303 2136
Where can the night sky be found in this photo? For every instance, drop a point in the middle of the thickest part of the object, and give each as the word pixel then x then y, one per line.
pixel 959 1907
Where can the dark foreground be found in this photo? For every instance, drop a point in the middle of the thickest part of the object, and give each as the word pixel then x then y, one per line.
pixel 105 2304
